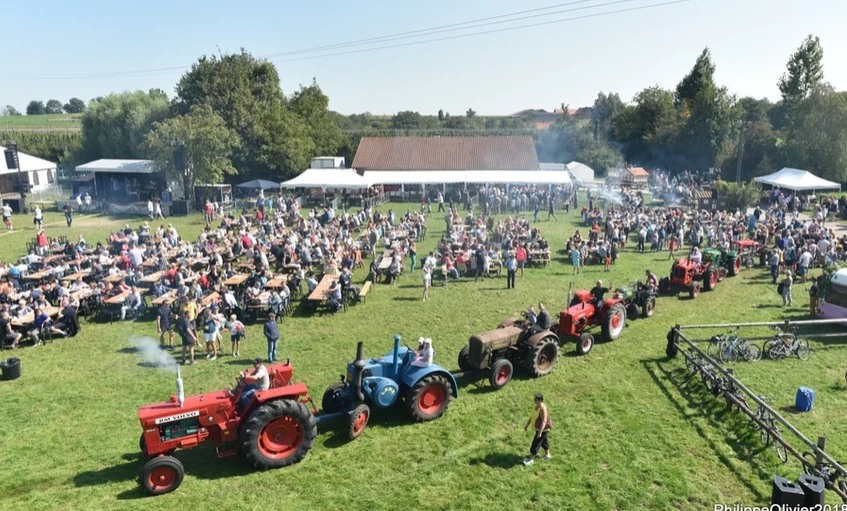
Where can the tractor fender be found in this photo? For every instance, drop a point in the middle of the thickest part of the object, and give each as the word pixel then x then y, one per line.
pixel 415 374
pixel 609 302
pixel 536 338
pixel 288 391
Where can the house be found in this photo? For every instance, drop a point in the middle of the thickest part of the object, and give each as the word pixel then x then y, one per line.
pixel 635 177
pixel 38 174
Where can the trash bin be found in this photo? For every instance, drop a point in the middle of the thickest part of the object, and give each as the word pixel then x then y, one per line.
pixel 11 368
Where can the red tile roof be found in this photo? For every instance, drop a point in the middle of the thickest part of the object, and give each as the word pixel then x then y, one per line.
pixel 446 153
pixel 637 171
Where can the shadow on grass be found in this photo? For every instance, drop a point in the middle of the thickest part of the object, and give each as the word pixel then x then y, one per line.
pixel 406 299
pixel 498 460
pixel 128 350
pixel 741 445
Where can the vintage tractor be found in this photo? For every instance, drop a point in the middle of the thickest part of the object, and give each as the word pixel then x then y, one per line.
pixel 687 274
pixel 271 428
pixel 637 300
pixel 729 261
pixel 748 251
pixel 585 312
pixel 512 343
pixel 380 382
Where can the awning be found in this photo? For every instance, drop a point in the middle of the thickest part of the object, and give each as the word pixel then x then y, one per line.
pixel 796 179
pixel 467 176
pixel 258 184
pixel 119 166
pixel 327 178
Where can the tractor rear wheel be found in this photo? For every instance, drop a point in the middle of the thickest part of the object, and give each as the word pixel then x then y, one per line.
pixel 735 266
pixel 161 475
pixel 664 285
pixel 465 360
pixel 359 420
pixel 649 307
pixel 331 401
pixel 710 280
pixel 429 398
pixel 501 373
pixel 749 263
pixel 632 311
pixel 278 434
pixel 694 290
pixel 614 322
pixel 543 357
pixel 584 343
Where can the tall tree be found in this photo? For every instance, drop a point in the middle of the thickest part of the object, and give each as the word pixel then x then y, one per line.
pixel 54 106
pixel 605 107
pixel 817 140
pixel 440 115
pixel 35 108
pixel 208 146
pixel 754 110
pixel 804 73
pixel 74 106
pixel 646 127
pixel 312 106
pixel 116 126
pixel 407 120
pixel 10 111
pixel 701 76
pixel 470 113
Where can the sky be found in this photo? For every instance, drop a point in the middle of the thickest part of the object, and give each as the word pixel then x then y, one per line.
pixel 119 46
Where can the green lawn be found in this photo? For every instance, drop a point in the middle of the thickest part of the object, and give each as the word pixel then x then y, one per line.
pixel 632 430
pixel 47 121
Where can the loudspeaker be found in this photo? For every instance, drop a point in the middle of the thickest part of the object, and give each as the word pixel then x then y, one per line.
pixel 787 492
pixel 813 487
pixel 11 162
pixel 179 157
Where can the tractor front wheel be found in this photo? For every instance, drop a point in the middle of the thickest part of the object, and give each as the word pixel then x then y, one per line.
pixel 359 420
pixel 278 434
pixel 465 360
pixel 664 285
pixel 161 475
pixel 501 373
pixel 694 290
pixel 331 401
pixel 584 343
pixel 710 280
pixel 429 398
pixel 649 307
pixel 735 267
pixel 614 322
pixel 631 311
pixel 543 357
pixel 749 263
pixel 142 444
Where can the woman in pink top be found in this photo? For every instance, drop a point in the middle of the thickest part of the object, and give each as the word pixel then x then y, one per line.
pixel 520 255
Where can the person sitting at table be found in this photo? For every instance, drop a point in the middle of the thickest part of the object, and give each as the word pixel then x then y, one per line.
pixel 40 322
pixel 254 292
pixel 335 302
pixel 311 282
pixel 133 302
pixel 346 279
pixel 275 302
pixel 68 318
pixel 394 269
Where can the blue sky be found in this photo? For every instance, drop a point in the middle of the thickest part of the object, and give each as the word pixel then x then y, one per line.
pixel 538 67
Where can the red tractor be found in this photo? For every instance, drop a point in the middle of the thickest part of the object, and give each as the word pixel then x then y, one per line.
pixel 584 312
pixel 271 428
pixel 687 274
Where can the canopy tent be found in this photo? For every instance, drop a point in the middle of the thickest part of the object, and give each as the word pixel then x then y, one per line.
pixel 397 177
pixel 327 178
pixel 796 179
pixel 582 172
pixel 258 184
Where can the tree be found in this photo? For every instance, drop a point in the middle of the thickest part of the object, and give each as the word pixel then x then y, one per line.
pixel 440 115
pixel 817 140
pixel 117 126
pixel 738 195
pixel 701 76
pixel 35 108
pixel 312 106
pixel 606 107
pixel 74 106
pixel 208 146
pixel 54 106
pixel 10 111
pixel 754 110
pixel 804 73
pixel 470 113
pixel 647 128
pixel 406 120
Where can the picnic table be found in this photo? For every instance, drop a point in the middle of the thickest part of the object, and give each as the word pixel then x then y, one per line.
pixel 385 260
pixel 167 298
pixel 321 292
pixel 237 279
pixel 151 278
pixel 539 256
pixel 290 268
pixel 276 282
pixel 39 275
pixel 118 299
pixel 77 261
pixel 79 275
pixel 209 299
pixel 29 318
pixel 114 279
pixel 49 259
pixel 81 294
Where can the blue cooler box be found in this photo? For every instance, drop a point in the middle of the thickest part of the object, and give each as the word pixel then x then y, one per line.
pixel 805 399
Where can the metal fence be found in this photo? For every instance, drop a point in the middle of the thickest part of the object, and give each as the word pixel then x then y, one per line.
pixel 723 383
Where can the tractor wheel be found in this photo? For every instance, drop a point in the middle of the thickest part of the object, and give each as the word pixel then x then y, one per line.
pixel 721 274
pixel 735 267
pixel 278 434
pixel 331 402
pixel 649 307
pixel 142 445
pixel 632 311
pixel 542 359
pixel 429 398
pixel 161 475
pixel 710 280
pixel 614 322
pixel 584 343
pixel 465 360
pixel 359 420
pixel 501 373
pixel 664 285
pixel 749 263
pixel 694 290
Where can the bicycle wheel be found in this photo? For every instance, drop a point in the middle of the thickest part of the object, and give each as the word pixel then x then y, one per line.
pixel 780 451
pixel 764 434
pixel 728 353
pixel 809 463
pixel 752 353
pixel 774 349
pixel 803 352
pixel 690 366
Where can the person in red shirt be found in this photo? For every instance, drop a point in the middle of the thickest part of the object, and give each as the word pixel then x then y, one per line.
pixel 41 241
pixel 520 255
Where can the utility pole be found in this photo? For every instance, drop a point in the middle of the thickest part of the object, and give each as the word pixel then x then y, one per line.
pixel 740 153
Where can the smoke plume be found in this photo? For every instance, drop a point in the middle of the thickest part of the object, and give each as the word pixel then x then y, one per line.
pixel 153 355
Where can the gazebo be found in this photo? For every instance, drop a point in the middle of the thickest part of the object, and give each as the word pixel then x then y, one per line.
pixel 797 180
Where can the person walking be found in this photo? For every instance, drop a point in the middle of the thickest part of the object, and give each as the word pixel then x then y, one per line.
pixel 272 335
pixel 575 259
pixel 511 268
pixel 87 203
pixel 541 423
pixel 413 256
pixel 520 255
pixel 69 213
pixel 163 325
pixel 773 261
pixel 37 217
pixel 440 203
pixel 427 281
pixel 535 211
pixel 787 284
pixel 551 209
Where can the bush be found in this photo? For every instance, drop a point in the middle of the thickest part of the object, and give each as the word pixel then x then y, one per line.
pixel 738 196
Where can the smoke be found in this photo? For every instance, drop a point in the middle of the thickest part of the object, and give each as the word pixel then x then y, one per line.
pixel 612 196
pixel 154 356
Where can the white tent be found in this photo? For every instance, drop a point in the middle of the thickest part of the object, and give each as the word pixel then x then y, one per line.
pixel 40 173
pixel 796 179
pixel 429 177
pixel 581 171
pixel 327 178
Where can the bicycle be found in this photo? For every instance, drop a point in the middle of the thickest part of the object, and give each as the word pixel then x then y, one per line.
pixel 770 429
pixel 825 470
pixel 732 348
pixel 738 395
pixel 785 344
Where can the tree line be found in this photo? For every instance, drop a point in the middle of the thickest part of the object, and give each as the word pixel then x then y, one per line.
pixel 53 106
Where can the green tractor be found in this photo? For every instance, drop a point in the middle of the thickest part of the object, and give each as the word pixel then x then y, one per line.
pixel 637 299
pixel 729 261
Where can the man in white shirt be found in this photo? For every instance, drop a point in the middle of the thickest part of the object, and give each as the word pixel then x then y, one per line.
pixel 256 381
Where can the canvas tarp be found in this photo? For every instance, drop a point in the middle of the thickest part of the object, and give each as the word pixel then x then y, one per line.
pixel 796 179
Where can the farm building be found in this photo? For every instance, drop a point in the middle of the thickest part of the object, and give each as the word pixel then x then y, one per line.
pixel 634 176
pixel 39 174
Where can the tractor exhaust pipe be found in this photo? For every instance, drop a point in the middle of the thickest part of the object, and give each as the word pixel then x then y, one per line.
pixel 359 365
pixel 396 362
pixel 180 392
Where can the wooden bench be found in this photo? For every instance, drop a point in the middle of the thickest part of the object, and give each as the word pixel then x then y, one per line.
pixel 364 291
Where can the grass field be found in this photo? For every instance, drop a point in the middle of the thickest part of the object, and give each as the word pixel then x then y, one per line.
pixel 631 429
pixel 42 122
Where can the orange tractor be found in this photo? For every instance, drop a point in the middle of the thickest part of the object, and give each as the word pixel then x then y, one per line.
pixel 692 276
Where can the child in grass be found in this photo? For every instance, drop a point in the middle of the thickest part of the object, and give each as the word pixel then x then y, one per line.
pixel 236 333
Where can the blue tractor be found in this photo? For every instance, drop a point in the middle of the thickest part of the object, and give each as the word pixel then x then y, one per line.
pixel 380 382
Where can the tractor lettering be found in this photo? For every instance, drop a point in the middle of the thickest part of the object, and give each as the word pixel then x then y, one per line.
pixel 177 417
pixel 387 390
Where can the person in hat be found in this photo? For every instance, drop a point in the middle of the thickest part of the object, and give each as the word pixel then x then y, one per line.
pixel 787 284
pixel 425 353
pixel 511 269
pixel 256 380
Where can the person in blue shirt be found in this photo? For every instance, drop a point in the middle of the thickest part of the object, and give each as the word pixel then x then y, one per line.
pixel 271 332
pixel 575 258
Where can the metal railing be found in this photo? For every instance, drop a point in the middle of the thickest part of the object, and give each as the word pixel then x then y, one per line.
pixel 677 340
